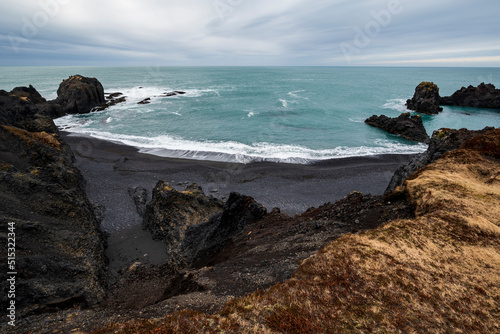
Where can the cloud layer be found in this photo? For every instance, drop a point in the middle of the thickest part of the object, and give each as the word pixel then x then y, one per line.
pixel 244 32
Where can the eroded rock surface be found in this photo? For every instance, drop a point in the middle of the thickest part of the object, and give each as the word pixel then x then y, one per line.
pixel 406 126
pixel 194 226
pixel 482 96
pixel 426 99
pixel 60 257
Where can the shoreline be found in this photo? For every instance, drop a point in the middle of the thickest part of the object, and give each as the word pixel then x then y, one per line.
pixel 291 187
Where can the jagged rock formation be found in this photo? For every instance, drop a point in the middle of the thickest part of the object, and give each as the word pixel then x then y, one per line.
pixel 60 257
pixel 194 226
pixel 442 141
pixel 406 126
pixel 482 96
pixel 426 99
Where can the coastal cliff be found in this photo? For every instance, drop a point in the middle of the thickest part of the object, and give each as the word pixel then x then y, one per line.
pixel 59 246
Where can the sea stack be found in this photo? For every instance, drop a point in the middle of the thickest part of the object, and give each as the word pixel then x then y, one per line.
pixel 426 99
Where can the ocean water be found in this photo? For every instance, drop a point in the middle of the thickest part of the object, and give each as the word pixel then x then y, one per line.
pixel 244 114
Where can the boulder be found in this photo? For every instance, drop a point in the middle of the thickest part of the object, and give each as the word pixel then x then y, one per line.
pixel 426 99
pixel 442 141
pixel 406 126
pixel 79 95
pixel 482 96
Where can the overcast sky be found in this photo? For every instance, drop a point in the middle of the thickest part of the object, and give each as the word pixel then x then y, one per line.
pixel 250 32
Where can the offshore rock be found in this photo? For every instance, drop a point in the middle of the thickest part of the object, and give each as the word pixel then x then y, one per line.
pixel 426 99
pixel 194 226
pixel 406 126
pixel 60 258
pixel 79 95
pixel 442 141
pixel 482 96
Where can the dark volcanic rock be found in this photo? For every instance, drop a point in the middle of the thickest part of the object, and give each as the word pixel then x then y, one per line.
pixel 174 93
pixel 426 99
pixel 194 226
pixel 170 211
pixel 60 257
pixel 442 141
pixel 79 95
pixel 482 96
pixel 205 240
pixel 145 101
pixel 111 100
pixel 410 128
pixel 140 197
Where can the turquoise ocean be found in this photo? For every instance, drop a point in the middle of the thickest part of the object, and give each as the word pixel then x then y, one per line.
pixel 245 114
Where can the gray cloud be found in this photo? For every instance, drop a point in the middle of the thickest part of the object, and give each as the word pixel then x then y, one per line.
pixel 244 32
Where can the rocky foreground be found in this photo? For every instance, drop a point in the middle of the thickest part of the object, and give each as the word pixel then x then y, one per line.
pixel 436 268
pixel 423 258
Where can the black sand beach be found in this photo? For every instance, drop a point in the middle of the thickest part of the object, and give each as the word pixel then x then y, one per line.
pixel 110 169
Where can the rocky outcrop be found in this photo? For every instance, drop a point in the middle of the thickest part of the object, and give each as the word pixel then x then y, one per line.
pixel 442 141
pixel 170 212
pixel 174 93
pixel 194 226
pixel 426 99
pixel 60 257
pixel 79 95
pixel 482 96
pixel 140 197
pixel 406 126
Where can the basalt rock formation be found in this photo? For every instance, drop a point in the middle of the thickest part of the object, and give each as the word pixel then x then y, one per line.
pixel 406 126
pixel 194 226
pixel 442 141
pixel 426 99
pixel 482 96
pixel 59 258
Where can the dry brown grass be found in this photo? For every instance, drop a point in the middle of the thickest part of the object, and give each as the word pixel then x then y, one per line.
pixel 33 137
pixel 437 273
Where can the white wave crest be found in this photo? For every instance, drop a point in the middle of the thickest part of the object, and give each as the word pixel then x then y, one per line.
pixel 396 104
pixel 230 151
